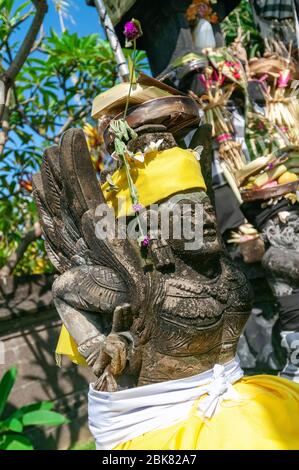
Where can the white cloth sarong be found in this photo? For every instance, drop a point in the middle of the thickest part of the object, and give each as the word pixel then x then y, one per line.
pixel 118 417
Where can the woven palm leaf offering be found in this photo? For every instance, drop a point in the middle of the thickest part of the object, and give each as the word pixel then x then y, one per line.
pixel 266 181
pixel 214 105
pixel 277 75
pixel 271 177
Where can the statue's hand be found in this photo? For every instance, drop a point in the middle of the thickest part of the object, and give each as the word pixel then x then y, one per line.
pixel 113 354
pixel 111 362
pixel 107 357
pixel 108 360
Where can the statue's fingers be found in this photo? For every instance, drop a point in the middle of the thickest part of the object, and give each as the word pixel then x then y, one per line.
pixel 106 382
pixel 127 317
pixel 117 319
pixel 102 361
pixel 118 353
pixel 122 318
pixel 111 384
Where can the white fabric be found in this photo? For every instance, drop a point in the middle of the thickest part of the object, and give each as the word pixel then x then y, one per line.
pixel 203 35
pixel 118 417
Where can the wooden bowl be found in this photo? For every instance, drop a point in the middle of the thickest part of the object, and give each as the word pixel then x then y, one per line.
pixel 178 113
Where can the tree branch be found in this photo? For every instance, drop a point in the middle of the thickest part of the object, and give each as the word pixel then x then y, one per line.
pixel 38 42
pixel 7 78
pixel 15 257
pixel 78 115
pixel 5 124
pixel 65 126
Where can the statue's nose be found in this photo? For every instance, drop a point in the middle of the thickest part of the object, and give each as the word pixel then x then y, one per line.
pixel 208 219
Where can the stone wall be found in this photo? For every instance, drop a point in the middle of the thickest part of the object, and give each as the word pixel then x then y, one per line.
pixel 29 329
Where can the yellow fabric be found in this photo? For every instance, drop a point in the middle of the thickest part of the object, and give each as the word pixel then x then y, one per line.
pixel 266 418
pixel 67 346
pixel 161 175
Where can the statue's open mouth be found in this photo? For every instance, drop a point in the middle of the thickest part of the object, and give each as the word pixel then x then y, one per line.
pixel 209 234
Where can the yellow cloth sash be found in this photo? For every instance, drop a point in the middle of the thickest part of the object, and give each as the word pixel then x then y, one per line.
pixel 162 174
pixel 158 177
pixel 265 418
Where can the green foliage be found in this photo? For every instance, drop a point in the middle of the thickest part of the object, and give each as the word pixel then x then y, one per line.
pixel 53 91
pixel 242 17
pixel 86 446
pixel 35 414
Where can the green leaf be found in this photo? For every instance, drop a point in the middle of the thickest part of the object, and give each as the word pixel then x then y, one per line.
pixel 43 405
pixel 21 8
pixel 6 384
pixel 13 424
pixel 15 442
pixel 43 418
pixel 8 4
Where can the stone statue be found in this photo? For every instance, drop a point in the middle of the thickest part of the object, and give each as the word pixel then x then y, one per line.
pixel 282 257
pixel 172 317
pixel 279 225
pixel 281 261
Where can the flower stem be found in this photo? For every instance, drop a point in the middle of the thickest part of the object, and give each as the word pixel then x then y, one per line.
pixel 131 78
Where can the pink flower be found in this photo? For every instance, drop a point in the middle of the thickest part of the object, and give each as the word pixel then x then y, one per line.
pixel 137 207
pixel 132 31
pixel 284 78
pixel 205 81
pixel 216 77
pixel 145 241
pixel 263 78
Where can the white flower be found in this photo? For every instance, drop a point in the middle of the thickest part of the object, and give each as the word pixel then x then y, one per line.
pixel 283 216
pixel 197 152
pixel 114 156
pixel 139 156
pixel 153 146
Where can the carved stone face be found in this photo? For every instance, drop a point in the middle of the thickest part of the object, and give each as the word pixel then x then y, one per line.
pixel 196 212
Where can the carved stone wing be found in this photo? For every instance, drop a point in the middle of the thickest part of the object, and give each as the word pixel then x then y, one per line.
pixel 67 193
pixel 99 277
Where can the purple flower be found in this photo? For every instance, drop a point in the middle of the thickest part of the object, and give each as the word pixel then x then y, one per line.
pixel 137 207
pixel 132 31
pixel 145 241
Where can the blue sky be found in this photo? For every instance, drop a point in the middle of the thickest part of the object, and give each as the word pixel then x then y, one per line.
pixel 85 19
pixel 85 22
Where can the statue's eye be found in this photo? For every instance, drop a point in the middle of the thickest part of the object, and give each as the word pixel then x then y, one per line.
pixel 209 209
